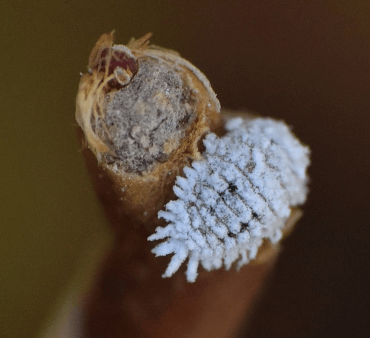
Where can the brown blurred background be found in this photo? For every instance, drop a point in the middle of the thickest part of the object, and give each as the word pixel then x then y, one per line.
pixel 307 62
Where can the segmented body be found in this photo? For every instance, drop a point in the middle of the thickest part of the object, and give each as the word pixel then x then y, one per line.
pixel 239 195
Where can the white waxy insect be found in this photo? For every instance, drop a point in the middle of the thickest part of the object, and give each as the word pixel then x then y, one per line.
pixel 239 195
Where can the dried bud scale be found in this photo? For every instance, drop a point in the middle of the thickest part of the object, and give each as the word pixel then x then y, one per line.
pixel 143 111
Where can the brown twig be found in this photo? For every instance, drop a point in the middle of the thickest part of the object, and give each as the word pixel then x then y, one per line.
pixel 129 297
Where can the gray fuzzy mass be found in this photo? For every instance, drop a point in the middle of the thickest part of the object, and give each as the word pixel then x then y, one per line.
pixel 154 108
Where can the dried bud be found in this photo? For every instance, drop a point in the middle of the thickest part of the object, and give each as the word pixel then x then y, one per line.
pixel 144 111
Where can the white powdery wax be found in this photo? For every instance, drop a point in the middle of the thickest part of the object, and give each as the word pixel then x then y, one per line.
pixel 240 194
